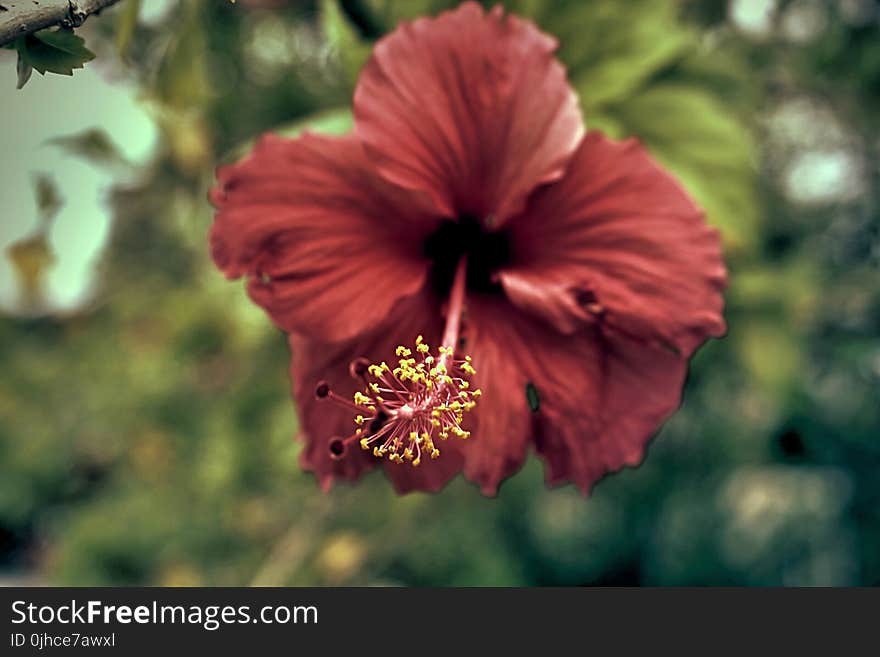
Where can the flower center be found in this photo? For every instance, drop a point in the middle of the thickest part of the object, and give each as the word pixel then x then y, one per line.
pixel 486 253
pixel 401 411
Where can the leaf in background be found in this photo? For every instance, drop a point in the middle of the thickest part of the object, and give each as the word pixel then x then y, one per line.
pixel 689 131
pixel 47 196
pixel 613 48
pixel 24 71
pixel 182 80
pixel 188 137
pixel 773 354
pixel 54 51
pixel 390 12
pixel 31 258
pixel 93 145
pixel 330 122
pixel 347 45
pixel 126 25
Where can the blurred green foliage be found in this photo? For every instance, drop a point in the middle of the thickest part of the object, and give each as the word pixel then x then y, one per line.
pixel 146 438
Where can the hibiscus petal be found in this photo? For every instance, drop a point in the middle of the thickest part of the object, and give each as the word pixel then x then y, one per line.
pixel 602 399
pixel 619 243
pixel 321 420
pixel 500 424
pixel 327 246
pixel 617 393
pixel 590 401
pixel 471 107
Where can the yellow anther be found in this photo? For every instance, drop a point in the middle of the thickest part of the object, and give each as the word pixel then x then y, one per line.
pixel 429 395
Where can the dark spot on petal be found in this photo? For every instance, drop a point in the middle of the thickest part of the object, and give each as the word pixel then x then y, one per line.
pixel 532 397
pixel 588 300
pixel 358 367
pixel 669 346
pixel 585 297
pixel 337 448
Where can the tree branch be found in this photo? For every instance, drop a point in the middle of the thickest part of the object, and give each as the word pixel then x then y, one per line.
pixel 20 17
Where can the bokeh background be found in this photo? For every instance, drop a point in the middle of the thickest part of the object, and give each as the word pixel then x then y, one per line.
pixel 145 422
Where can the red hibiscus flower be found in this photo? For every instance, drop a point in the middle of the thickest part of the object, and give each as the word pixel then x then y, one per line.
pixel 529 284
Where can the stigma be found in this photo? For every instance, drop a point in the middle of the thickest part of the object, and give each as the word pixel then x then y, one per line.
pixel 403 413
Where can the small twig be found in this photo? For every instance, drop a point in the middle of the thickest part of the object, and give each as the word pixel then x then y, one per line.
pixel 21 17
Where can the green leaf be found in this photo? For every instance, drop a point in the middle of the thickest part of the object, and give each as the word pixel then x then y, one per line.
pixel 347 45
pixel 31 258
pixel 692 133
pixel 330 122
pixel 93 145
pixel 126 25
pixel 54 51
pixel 24 71
pixel 182 79
pixel 612 48
pixel 47 196
pixel 772 352
pixel 390 12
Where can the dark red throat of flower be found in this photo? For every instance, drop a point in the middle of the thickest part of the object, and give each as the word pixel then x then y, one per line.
pixel 401 412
